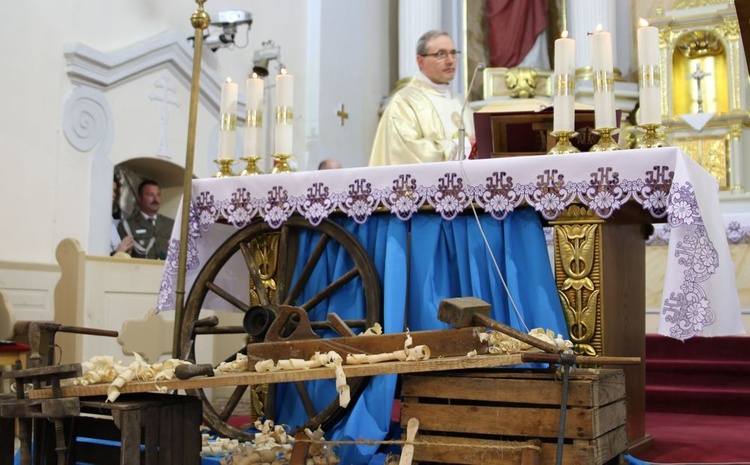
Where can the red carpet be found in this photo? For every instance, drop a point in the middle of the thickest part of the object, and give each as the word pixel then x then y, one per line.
pixel 698 400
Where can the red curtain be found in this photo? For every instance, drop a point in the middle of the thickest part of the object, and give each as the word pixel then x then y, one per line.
pixel 513 26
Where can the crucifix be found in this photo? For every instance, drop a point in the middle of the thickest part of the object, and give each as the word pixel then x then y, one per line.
pixel 698 75
pixel 163 96
pixel 342 114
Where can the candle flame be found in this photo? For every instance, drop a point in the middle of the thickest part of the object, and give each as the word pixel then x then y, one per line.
pixel 642 22
pixel 228 80
pixel 599 28
pixel 283 70
pixel 564 34
pixel 255 75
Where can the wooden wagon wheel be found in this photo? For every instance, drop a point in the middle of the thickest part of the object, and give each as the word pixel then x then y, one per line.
pixel 284 289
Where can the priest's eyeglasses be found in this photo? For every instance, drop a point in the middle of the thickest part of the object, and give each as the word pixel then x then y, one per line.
pixel 441 55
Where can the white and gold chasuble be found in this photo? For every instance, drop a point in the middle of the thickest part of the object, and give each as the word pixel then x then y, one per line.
pixel 419 125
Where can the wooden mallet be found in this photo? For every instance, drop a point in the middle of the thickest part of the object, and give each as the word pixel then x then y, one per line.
pixel 461 312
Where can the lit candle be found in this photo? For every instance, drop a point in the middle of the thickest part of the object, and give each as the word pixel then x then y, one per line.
pixel 284 89
pixel 604 92
pixel 254 119
pixel 648 79
pixel 228 115
pixel 564 105
pixel 284 112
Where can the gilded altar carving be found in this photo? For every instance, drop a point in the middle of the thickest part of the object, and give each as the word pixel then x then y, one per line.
pixel 265 250
pixel 578 276
pixel 521 82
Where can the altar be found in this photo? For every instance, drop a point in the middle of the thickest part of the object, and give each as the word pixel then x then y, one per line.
pixel 598 203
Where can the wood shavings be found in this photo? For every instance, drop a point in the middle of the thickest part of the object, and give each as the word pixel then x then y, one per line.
pixel 420 352
pixel 103 369
pixel 319 453
pixel 240 363
pixel 374 330
pixel 500 343
pixel 330 359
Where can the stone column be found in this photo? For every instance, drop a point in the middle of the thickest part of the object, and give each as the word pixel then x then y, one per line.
pixel 415 17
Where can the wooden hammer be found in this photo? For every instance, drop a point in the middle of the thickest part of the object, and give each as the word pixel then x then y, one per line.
pixel 461 312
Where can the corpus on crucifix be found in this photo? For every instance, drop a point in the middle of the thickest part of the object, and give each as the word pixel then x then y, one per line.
pixel 698 75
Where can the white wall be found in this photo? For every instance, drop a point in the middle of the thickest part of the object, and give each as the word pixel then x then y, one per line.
pixel 50 187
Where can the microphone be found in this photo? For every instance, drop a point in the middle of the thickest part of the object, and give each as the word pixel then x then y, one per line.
pixel 462 127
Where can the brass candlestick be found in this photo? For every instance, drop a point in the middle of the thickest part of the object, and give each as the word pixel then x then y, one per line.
pixel 651 138
pixel 252 166
pixel 563 144
pixel 606 142
pixel 225 167
pixel 282 163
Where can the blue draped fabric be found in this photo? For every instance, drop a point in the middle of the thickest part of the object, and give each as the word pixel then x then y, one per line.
pixel 444 259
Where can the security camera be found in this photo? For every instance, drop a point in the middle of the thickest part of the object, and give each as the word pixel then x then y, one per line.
pixel 234 17
pixel 223 28
pixel 263 56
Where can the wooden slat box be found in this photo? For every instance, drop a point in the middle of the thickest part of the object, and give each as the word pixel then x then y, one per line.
pixel 150 429
pixel 483 417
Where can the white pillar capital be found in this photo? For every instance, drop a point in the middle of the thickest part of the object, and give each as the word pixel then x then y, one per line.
pixel 415 17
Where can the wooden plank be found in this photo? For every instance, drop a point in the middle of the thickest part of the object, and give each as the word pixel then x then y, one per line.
pixel 442 343
pixel 515 421
pixel 471 451
pixel 254 378
pixel 497 387
pixel 482 451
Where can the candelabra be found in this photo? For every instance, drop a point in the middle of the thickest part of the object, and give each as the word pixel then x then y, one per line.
pixel 282 163
pixel 225 167
pixel 252 168
pixel 606 142
pixel 563 144
pixel 651 138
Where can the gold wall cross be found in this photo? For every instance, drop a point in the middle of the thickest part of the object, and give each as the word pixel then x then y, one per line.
pixel 342 114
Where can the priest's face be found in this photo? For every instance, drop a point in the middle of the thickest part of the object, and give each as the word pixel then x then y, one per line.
pixel 439 64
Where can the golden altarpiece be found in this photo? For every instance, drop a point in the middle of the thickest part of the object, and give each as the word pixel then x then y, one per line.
pixel 703 91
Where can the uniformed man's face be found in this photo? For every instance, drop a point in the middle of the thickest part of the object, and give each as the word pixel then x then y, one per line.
pixel 150 199
pixel 437 70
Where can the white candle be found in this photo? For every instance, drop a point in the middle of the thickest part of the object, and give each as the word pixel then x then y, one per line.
pixel 228 119
pixel 564 104
pixel 254 87
pixel 254 121
pixel 284 89
pixel 648 61
pixel 604 93
pixel 284 135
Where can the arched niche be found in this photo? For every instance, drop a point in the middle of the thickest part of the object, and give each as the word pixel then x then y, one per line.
pixel 169 175
pixel 700 76
pixel 98 107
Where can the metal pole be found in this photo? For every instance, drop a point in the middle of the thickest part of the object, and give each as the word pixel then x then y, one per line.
pixel 200 21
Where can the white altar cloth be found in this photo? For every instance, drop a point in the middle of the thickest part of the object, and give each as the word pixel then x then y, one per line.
pixel 700 295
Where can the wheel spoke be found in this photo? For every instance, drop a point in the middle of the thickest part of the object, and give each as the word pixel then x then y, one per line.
pixel 307 402
pixel 227 296
pixel 233 401
pixel 330 289
pixel 252 267
pixel 308 269
pixel 281 282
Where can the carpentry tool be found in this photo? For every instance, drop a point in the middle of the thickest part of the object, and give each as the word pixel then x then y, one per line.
pixel 22 328
pixel 303 343
pixel 193 370
pixel 461 312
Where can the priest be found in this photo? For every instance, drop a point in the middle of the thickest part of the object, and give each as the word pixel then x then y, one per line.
pixel 421 123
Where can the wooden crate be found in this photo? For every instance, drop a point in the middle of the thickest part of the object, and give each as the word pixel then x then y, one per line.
pixel 149 429
pixel 483 417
